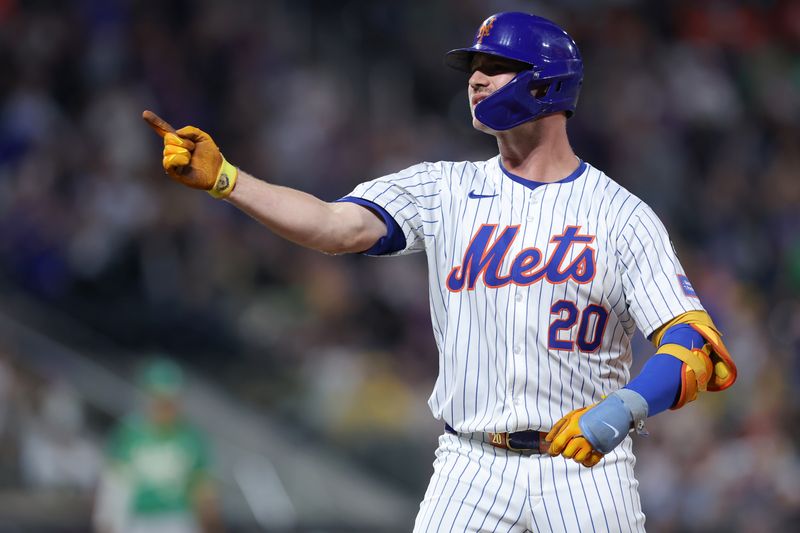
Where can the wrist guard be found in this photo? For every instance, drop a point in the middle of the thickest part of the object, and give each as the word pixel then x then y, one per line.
pixel 226 180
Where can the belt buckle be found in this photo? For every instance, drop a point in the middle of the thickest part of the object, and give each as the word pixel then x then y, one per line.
pixel 520 450
pixel 504 440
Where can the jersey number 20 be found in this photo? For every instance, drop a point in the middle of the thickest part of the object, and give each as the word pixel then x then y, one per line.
pixel 593 321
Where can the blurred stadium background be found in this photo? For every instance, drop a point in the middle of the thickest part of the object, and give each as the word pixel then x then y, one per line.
pixel 309 374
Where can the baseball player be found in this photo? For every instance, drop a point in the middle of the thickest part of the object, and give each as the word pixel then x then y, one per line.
pixel 540 269
pixel 157 475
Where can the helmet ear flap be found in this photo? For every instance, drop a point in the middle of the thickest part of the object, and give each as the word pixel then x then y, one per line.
pixel 512 104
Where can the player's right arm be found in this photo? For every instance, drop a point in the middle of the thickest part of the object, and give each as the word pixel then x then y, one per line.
pixel 192 158
pixel 330 227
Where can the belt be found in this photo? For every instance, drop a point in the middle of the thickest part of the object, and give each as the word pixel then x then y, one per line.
pixel 527 442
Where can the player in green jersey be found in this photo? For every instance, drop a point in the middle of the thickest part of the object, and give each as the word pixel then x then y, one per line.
pixel 157 474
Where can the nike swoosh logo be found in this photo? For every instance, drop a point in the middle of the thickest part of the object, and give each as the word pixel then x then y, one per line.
pixel 615 430
pixel 475 196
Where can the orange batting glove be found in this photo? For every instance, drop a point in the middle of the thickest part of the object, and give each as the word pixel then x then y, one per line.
pixel 567 439
pixel 192 157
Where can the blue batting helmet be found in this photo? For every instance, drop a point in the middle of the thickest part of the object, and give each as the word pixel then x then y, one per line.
pixel 553 60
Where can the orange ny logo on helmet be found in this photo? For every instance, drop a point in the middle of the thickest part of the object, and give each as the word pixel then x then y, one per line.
pixel 485 28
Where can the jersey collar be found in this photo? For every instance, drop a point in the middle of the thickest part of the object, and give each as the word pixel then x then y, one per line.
pixel 534 184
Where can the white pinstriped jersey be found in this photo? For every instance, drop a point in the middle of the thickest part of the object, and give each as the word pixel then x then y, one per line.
pixel 535 289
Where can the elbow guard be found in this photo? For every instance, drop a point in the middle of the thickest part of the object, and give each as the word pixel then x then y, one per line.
pixel 705 368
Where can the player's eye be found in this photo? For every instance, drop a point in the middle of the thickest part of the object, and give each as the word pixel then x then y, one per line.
pixel 491 69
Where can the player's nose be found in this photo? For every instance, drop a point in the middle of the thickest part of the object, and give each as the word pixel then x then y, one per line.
pixel 478 80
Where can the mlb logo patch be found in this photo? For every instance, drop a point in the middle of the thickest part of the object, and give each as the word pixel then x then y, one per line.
pixel 686 286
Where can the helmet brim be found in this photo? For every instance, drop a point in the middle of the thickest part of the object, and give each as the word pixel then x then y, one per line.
pixel 461 58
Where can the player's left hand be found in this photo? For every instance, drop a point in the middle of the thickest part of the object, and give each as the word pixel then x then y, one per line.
pixel 587 434
pixel 566 438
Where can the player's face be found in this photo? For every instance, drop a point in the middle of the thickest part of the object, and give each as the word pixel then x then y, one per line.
pixel 164 410
pixel 489 73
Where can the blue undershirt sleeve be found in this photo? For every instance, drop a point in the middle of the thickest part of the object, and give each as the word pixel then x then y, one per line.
pixel 659 382
pixel 394 240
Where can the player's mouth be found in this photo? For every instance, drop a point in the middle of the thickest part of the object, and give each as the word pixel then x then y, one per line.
pixel 478 98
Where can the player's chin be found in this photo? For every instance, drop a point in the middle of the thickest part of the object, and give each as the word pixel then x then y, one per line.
pixel 480 126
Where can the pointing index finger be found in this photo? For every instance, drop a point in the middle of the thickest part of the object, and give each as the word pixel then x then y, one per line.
pixel 159 125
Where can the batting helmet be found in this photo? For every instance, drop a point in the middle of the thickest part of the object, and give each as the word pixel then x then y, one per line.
pixel 553 60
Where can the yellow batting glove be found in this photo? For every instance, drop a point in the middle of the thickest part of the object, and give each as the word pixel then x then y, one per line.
pixel 192 158
pixel 176 155
pixel 566 439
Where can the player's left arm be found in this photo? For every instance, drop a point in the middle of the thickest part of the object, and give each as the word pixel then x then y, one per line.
pixel 691 358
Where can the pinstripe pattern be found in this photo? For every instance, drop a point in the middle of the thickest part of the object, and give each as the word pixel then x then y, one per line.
pixel 497 369
pixel 478 488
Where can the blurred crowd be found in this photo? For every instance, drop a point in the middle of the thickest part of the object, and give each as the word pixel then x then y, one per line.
pixel 49 459
pixel 694 106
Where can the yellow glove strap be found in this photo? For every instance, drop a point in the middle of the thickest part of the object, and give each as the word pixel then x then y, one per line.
pixel 689 317
pixel 226 180
pixel 723 370
pixel 698 361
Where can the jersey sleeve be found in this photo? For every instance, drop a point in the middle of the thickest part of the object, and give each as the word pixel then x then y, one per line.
pixel 405 201
pixel 655 285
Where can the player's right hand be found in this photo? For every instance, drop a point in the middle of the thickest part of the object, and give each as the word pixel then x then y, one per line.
pixel 192 158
